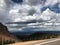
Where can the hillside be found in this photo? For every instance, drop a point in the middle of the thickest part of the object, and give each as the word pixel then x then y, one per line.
pixel 5 36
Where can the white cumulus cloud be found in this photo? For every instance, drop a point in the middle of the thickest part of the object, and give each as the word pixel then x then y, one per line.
pixel 27 11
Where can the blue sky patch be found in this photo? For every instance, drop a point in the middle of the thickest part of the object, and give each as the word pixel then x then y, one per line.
pixel 17 1
pixel 53 8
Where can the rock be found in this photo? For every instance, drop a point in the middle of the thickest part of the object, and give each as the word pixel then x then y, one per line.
pixel 5 35
pixel 3 28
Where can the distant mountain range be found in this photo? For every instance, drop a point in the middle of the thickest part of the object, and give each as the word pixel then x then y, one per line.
pixel 30 33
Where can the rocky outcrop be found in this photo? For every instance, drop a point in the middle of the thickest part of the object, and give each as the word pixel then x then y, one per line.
pixel 3 28
pixel 5 35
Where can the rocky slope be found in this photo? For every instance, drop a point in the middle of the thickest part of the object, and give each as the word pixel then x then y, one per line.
pixel 5 36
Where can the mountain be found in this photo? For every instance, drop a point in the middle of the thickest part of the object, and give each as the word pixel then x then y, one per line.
pixel 5 35
pixel 37 35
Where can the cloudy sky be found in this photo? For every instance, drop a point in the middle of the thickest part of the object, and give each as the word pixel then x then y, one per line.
pixel 30 14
